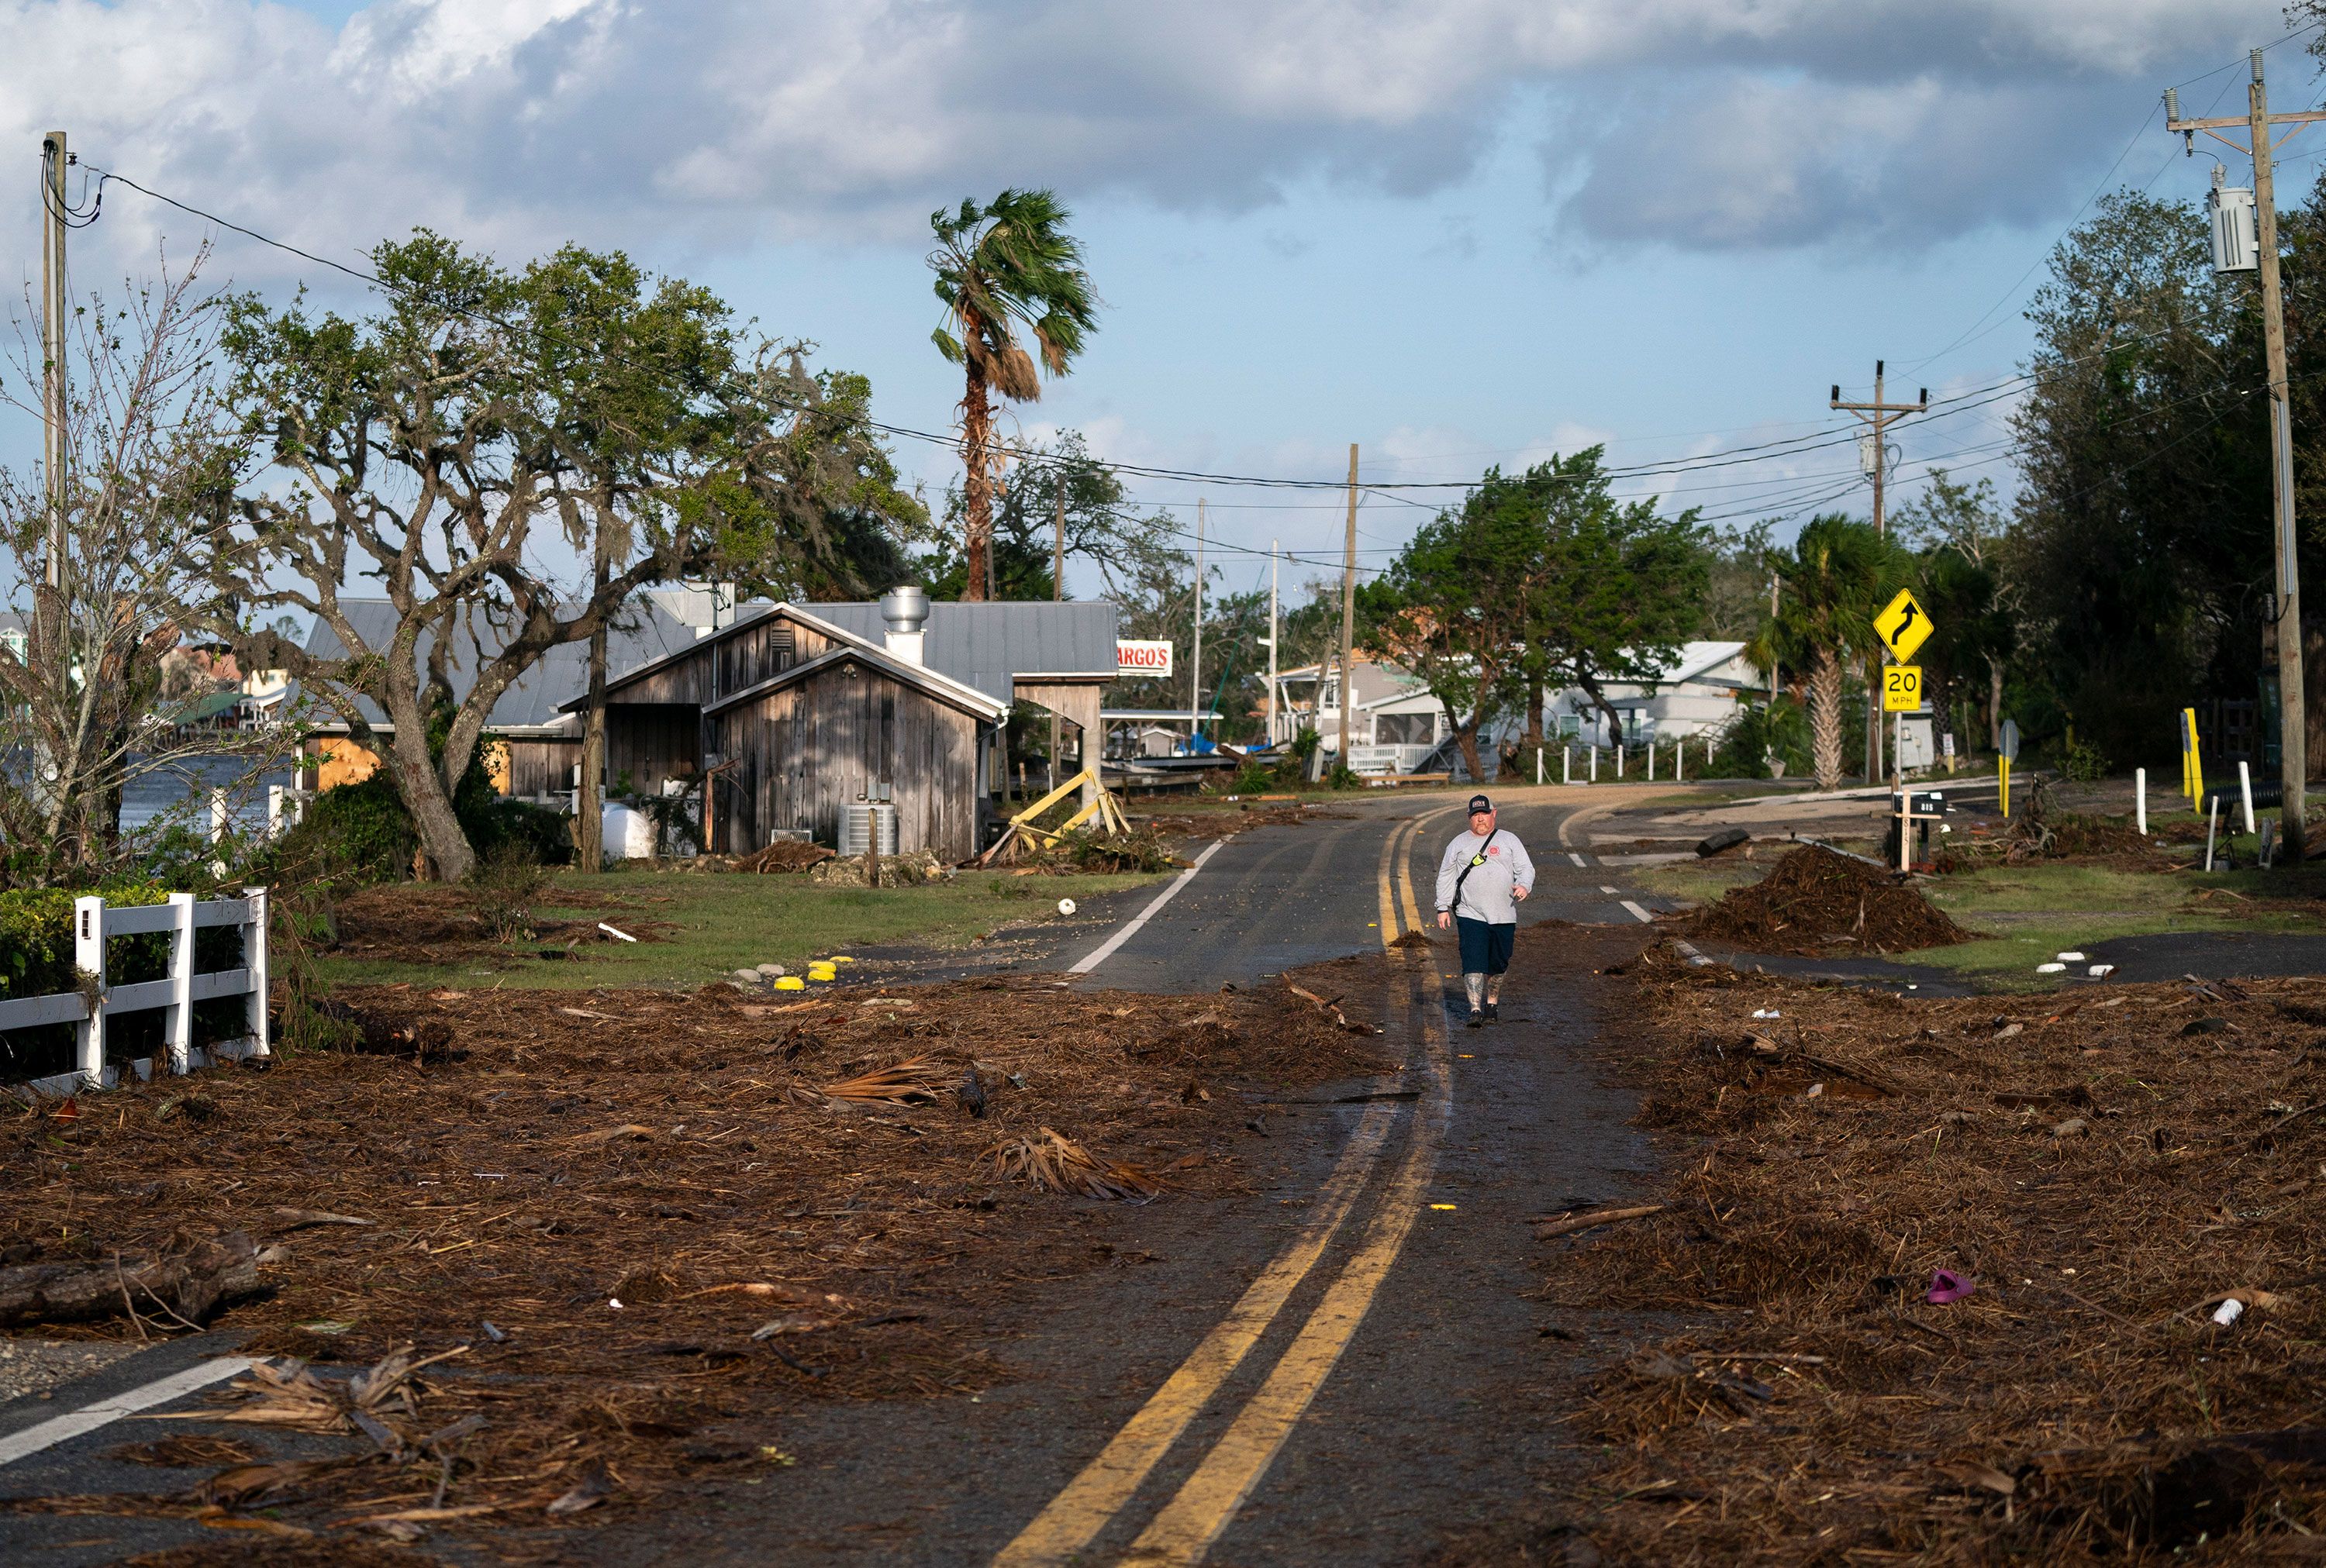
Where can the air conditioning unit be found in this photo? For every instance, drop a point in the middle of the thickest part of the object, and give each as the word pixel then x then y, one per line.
pixel 2237 236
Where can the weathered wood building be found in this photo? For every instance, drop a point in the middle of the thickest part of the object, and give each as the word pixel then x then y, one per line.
pixel 794 713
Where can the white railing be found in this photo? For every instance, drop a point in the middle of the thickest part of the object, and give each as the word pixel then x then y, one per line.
pixel 1390 759
pixel 94 921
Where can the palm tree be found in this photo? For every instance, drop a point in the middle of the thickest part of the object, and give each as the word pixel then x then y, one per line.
pixel 1830 584
pixel 1008 263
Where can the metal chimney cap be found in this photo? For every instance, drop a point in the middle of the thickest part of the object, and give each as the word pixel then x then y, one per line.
pixel 904 607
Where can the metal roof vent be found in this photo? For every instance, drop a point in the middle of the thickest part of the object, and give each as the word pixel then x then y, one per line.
pixel 905 611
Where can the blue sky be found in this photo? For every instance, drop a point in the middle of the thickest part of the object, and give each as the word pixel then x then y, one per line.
pixel 1460 233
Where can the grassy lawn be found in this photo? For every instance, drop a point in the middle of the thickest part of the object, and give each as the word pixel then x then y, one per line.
pixel 2037 912
pixel 711 924
pixel 2029 913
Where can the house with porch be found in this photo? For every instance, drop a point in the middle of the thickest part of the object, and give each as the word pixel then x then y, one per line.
pixel 1394 719
pixel 1696 692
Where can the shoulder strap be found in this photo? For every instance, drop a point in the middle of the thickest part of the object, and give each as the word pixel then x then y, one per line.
pixel 1477 860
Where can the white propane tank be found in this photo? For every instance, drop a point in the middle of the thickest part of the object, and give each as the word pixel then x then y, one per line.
pixel 626 833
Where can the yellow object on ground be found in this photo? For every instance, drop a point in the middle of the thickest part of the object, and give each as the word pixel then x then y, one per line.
pixel 790 983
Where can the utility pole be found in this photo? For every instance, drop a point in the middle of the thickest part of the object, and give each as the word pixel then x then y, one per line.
pixel 1057 595
pixel 1196 676
pixel 47 644
pixel 2293 712
pixel 1349 610
pixel 1772 641
pixel 1881 416
pixel 1271 642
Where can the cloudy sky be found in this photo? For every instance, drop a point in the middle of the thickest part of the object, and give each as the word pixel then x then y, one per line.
pixel 1456 232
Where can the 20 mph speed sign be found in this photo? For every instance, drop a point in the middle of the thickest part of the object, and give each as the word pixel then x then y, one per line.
pixel 1902 688
pixel 1902 625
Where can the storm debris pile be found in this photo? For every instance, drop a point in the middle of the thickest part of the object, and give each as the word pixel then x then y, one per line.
pixel 781 856
pixel 1967 1280
pixel 1816 901
pixel 603 1240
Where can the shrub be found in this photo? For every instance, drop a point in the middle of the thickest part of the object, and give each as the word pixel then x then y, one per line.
pixel 506 884
pixel 36 940
pixel 2081 761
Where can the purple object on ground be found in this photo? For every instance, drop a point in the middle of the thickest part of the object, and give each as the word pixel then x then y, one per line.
pixel 1947 1285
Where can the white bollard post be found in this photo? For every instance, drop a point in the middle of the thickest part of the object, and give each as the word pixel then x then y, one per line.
pixel 2244 788
pixel 2140 799
pixel 1594 764
pixel 219 815
pixel 1619 761
pixel 1679 761
pixel 1565 763
pixel 253 963
pixel 178 1025
pixel 88 957
pixel 1538 765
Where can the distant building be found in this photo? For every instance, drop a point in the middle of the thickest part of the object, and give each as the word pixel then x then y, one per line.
pixel 1695 693
pixel 1395 722
pixel 792 713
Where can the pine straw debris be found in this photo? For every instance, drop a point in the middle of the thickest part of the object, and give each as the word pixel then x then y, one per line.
pixel 1815 901
pixel 1053 1161
pixel 2103 1175
pixel 643 1227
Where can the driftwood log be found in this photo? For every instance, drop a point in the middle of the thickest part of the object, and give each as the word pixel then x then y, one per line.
pixel 186 1282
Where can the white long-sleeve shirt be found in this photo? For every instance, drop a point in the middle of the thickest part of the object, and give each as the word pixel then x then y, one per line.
pixel 1487 891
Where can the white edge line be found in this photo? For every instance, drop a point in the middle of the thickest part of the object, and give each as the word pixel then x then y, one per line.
pixel 1130 928
pixel 1575 856
pixel 1605 888
pixel 1638 914
pixel 89 1418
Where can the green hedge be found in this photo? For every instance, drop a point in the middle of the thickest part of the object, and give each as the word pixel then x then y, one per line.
pixel 36 940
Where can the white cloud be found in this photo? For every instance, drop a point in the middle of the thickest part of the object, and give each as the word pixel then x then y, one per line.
pixel 1698 123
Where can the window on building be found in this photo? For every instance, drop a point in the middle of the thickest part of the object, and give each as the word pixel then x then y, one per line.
pixel 1405 728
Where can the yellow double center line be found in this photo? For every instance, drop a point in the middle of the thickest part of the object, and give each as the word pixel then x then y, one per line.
pixel 1206 1503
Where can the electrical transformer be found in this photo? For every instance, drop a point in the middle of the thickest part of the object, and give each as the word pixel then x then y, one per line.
pixel 2237 245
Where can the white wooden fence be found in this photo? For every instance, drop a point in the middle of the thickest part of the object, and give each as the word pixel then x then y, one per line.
pixel 175 993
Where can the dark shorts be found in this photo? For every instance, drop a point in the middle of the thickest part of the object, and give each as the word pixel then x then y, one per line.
pixel 1485 948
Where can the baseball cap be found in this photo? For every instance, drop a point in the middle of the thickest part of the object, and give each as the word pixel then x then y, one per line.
pixel 1480 804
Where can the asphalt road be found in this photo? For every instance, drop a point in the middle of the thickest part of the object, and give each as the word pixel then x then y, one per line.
pixel 1401 1388
pixel 1435 1419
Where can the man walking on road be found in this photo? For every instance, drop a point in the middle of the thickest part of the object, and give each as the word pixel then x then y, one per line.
pixel 1481 877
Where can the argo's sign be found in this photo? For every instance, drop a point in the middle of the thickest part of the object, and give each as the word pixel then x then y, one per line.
pixel 1136 657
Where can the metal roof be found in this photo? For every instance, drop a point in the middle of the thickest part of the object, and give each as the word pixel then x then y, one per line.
pixel 951 693
pixel 994 644
pixel 645 632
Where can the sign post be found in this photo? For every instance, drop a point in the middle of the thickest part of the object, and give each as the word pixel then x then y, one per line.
pixel 1902 625
pixel 2008 752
